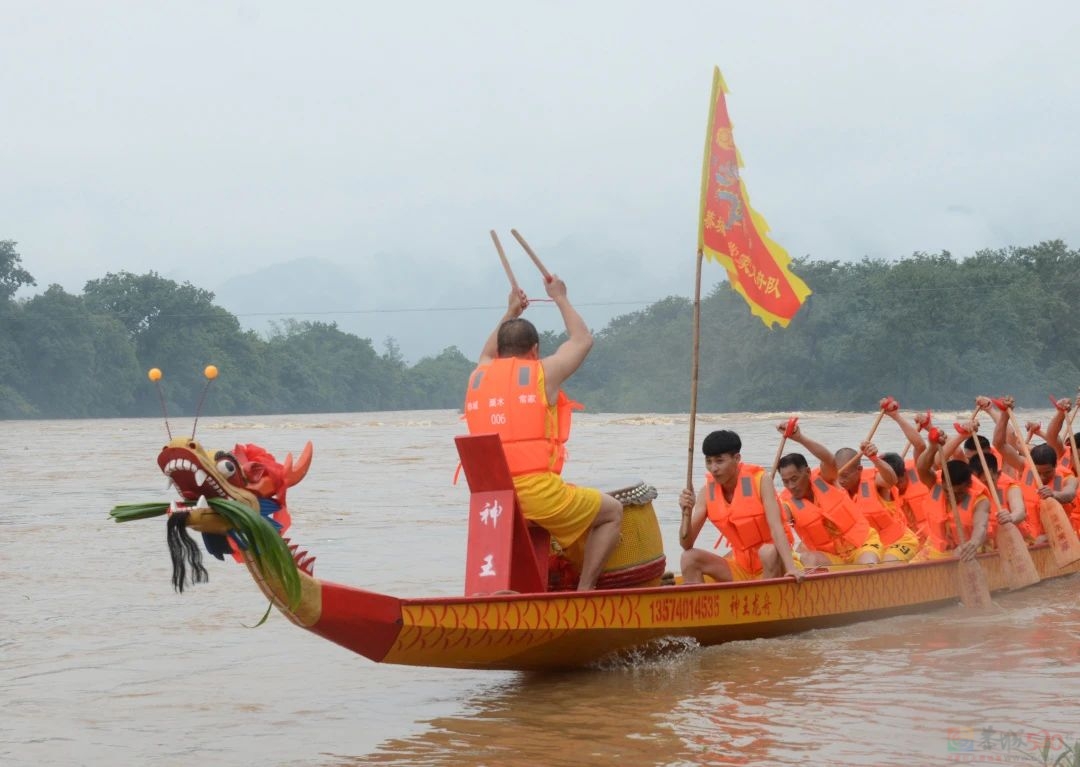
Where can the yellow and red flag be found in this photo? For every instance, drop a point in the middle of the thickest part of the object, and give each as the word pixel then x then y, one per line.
pixel 733 233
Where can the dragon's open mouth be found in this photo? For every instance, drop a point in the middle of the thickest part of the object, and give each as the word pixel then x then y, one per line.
pixel 189 476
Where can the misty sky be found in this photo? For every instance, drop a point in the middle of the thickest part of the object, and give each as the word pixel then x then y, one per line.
pixel 208 140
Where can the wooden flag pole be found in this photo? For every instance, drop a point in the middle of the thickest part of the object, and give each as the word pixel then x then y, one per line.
pixel 695 354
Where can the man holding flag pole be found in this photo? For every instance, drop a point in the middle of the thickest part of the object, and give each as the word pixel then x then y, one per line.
pixel 733 233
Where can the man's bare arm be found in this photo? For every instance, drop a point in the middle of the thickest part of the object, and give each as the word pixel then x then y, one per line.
pixel 572 352
pixel 515 306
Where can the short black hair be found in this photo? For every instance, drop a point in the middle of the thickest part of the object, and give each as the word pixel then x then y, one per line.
pixel 516 337
pixel 896 463
pixel 959 472
pixel 721 442
pixel 969 443
pixel 798 460
pixel 1043 455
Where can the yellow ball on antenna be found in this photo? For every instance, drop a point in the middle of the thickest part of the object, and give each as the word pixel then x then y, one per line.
pixel 210 372
pixel 154 374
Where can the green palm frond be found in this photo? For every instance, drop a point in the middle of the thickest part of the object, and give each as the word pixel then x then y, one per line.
pixel 257 534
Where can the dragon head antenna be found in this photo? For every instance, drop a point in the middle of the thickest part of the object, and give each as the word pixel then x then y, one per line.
pixel 154 374
pixel 210 371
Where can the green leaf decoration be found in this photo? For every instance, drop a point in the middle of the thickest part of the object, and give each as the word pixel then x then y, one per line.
pixel 126 512
pixel 264 543
pixel 257 533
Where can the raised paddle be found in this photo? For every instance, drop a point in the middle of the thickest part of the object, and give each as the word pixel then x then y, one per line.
pixel 1072 436
pixel 532 255
pixel 505 263
pixel 889 405
pixel 1020 570
pixel 789 429
pixel 918 427
pixel 974 592
pixel 1063 541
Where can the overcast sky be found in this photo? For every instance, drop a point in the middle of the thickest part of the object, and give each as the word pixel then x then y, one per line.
pixel 206 140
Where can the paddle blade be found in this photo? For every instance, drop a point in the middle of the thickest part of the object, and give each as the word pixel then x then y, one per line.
pixel 1020 570
pixel 974 591
pixel 1063 541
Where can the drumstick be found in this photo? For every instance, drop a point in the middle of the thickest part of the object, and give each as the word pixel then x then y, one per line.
pixel 532 255
pixel 506 264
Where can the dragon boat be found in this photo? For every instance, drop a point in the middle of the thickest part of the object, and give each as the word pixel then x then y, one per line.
pixel 520 610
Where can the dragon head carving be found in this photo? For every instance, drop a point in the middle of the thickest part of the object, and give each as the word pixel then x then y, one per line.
pixel 247 474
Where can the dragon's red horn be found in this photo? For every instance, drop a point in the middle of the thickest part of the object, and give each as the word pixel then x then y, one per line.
pixel 295 472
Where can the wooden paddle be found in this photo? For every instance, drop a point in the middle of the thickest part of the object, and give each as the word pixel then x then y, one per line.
pixel 789 429
pixel 1072 436
pixel 505 263
pixel 532 255
pixel 1063 541
pixel 974 592
pixel 1020 570
pixel 918 427
pixel 858 454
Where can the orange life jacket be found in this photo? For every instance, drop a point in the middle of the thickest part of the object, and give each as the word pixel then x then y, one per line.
pixel 942 525
pixel 915 502
pixel 506 397
pixel 1004 482
pixel 883 514
pixel 1031 498
pixel 831 522
pixel 742 520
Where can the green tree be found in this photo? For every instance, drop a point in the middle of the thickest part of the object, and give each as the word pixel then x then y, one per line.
pixel 178 328
pixel 12 275
pixel 78 364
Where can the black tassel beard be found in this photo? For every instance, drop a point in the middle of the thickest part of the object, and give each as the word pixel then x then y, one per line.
pixel 180 543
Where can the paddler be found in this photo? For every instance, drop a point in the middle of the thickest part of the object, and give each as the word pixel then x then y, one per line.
pixel 912 495
pixel 1057 483
pixel 832 529
pixel 739 498
pixel 972 501
pixel 1010 498
pixel 873 491
pixel 517 395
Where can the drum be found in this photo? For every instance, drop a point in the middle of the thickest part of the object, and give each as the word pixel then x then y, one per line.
pixel 639 558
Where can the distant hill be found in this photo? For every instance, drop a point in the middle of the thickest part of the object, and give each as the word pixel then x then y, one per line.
pixel 428 302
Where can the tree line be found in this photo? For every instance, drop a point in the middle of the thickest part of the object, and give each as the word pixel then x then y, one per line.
pixel 930 329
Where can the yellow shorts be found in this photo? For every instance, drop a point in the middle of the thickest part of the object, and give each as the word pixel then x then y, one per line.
pixel 566 511
pixel 740 573
pixel 904 548
pixel 871 544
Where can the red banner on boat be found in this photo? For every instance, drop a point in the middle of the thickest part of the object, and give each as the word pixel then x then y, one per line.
pixel 733 233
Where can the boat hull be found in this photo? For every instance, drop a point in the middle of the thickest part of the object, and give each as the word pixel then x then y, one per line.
pixel 574 629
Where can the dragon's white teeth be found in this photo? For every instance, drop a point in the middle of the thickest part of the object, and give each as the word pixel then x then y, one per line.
pixel 200 477
pixel 169 484
pixel 202 504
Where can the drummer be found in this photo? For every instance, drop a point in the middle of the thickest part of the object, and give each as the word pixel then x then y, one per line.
pixel 518 395
pixel 739 498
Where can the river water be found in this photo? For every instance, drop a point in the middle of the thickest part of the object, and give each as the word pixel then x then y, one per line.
pixel 101 663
